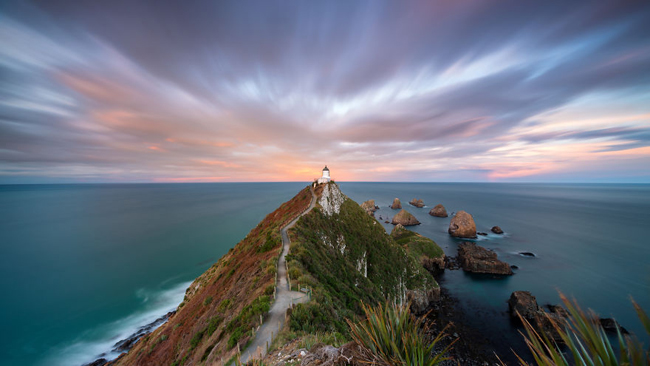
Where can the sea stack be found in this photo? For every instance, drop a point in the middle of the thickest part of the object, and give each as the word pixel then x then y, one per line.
pixel 397 205
pixel 462 226
pixel 405 218
pixel 474 258
pixel 438 211
pixel 417 203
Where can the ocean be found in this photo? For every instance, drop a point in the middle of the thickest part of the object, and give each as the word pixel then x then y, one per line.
pixel 84 265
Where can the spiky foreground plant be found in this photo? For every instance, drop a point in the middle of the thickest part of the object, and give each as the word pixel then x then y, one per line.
pixel 586 341
pixel 390 335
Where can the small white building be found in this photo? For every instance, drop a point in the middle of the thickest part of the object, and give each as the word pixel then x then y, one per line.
pixel 326 176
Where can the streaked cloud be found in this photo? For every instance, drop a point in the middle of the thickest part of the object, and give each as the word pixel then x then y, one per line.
pixel 265 90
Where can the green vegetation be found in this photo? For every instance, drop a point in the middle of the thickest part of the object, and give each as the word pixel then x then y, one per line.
pixel 248 318
pixel 586 341
pixel 207 301
pixel 416 244
pixel 391 335
pixel 272 241
pixel 212 325
pixel 347 259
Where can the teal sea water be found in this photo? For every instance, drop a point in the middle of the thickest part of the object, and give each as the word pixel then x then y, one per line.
pixel 83 266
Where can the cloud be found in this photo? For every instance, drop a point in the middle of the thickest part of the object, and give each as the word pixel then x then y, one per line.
pixel 239 91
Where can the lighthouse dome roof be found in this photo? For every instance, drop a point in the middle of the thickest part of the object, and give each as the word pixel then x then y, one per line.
pixel 324 169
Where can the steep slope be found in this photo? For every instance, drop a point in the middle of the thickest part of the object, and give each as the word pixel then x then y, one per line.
pixel 346 257
pixel 223 305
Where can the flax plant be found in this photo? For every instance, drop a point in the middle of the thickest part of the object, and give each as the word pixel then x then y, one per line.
pixel 390 335
pixel 586 342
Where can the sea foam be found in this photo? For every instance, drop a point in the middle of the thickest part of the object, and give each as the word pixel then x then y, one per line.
pixel 100 342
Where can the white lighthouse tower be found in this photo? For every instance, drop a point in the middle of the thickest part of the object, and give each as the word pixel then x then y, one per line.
pixel 326 176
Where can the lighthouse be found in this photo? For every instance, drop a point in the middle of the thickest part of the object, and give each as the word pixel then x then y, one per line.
pixel 326 176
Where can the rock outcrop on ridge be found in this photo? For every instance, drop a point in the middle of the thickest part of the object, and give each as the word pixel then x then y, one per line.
pixel 417 203
pixel 405 218
pixel 462 226
pixel 474 258
pixel 370 207
pixel 439 211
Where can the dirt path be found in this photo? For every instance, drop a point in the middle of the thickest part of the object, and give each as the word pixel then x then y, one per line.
pixel 283 299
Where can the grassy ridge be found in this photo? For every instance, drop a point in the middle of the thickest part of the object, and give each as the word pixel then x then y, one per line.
pixel 347 258
pixel 222 306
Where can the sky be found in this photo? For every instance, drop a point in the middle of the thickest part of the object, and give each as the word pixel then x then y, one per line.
pixel 233 91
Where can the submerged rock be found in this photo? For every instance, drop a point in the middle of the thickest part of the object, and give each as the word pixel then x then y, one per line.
pixel 481 233
pixel 497 230
pixel 526 254
pixel 405 218
pixel 438 211
pixel 462 226
pixel 396 204
pixel 417 203
pixel 474 258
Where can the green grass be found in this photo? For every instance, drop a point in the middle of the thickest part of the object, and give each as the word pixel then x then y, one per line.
pixel 317 260
pixel 586 341
pixel 391 335
pixel 416 244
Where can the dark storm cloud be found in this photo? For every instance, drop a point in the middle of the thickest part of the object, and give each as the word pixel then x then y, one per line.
pixel 138 89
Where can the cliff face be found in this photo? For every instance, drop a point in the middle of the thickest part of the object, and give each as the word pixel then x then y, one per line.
pixel 223 304
pixel 347 257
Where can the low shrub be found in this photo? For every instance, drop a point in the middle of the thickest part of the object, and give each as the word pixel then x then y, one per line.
pixel 391 335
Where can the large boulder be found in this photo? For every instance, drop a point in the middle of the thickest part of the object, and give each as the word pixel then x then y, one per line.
pixel 397 205
pixel 405 218
pixel 417 203
pixel 462 225
pixel 438 211
pixel 370 207
pixel 524 303
pixel 474 258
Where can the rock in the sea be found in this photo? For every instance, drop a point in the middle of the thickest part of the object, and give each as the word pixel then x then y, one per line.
pixel 370 207
pixel 405 218
pixel 417 203
pixel 438 211
pixel 396 204
pixel 481 233
pixel 610 325
pixel 526 254
pixel 497 230
pixel 524 303
pixel 474 258
pixel 97 362
pixel 462 225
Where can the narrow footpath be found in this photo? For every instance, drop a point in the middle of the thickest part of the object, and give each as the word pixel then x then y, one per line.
pixel 284 297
